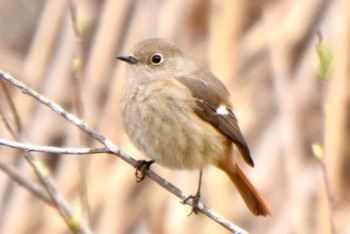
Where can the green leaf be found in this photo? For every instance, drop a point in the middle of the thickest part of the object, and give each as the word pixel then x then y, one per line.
pixel 74 222
pixel 324 60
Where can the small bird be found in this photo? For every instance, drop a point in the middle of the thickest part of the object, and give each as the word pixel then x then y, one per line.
pixel 180 115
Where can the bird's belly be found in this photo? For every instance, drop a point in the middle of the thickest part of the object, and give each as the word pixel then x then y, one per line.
pixel 175 138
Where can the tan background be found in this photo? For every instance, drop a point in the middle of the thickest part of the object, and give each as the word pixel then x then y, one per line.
pixel 264 51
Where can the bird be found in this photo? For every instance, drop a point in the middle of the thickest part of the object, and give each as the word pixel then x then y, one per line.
pixel 179 114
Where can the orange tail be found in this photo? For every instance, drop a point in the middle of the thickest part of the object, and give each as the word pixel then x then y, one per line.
pixel 250 195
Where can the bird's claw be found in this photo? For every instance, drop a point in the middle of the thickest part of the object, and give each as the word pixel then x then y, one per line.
pixel 141 167
pixel 195 202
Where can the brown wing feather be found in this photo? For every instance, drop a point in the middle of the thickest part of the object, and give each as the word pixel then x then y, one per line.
pixel 210 93
pixel 227 124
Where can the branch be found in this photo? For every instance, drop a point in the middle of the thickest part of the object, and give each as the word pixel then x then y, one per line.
pixel 21 180
pixel 53 196
pixel 113 149
pixel 50 149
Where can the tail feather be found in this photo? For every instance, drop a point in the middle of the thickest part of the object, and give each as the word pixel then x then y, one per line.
pixel 254 201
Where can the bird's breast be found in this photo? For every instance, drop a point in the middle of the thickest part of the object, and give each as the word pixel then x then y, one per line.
pixel 160 121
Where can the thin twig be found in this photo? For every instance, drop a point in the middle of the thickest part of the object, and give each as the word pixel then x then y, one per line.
pixel 7 122
pixel 50 149
pixel 329 192
pixel 31 186
pixel 325 65
pixel 77 67
pixel 113 149
pixel 51 190
pixel 18 123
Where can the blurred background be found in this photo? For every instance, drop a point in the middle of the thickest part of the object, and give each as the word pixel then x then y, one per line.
pixel 285 62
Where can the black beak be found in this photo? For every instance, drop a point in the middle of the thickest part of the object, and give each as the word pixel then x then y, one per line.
pixel 127 58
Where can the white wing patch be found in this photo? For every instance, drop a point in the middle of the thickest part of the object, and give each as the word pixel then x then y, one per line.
pixel 222 110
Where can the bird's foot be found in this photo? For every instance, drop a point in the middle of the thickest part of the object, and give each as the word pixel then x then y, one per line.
pixel 141 167
pixel 195 202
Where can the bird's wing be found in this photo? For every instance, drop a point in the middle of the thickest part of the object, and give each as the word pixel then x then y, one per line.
pixel 212 105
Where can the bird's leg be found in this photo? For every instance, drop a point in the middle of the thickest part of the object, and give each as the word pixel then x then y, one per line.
pixel 195 198
pixel 141 167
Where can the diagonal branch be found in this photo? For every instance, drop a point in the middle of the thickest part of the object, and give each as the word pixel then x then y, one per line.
pixel 52 194
pixel 21 180
pixel 113 149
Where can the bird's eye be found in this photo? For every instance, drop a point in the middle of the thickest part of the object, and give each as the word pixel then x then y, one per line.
pixel 156 59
